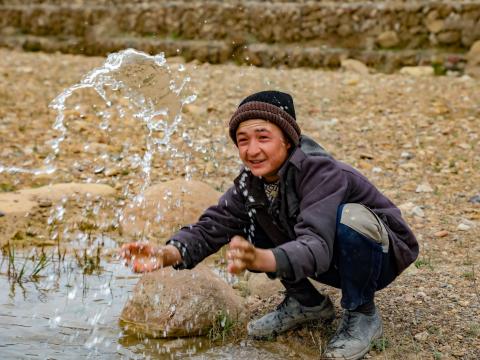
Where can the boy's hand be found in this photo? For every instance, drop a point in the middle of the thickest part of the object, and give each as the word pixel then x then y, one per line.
pixel 243 255
pixel 143 257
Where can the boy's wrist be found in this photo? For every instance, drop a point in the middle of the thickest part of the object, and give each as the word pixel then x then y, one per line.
pixel 264 261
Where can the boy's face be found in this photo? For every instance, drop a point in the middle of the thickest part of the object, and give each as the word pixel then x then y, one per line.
pixel 262 147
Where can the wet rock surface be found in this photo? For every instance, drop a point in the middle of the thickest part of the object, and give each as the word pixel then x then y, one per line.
pixel 170 303
pixel 401 131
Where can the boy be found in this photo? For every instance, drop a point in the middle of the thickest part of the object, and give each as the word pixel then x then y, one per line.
pixel 305 215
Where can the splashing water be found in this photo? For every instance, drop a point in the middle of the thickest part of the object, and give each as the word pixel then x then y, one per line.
pixel 132 87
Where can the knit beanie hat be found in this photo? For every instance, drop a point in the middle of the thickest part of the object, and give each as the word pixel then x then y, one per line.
pixel 274 106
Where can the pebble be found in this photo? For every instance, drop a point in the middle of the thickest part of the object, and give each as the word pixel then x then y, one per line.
pixel 475 199
pixel 441 233
pixel 421 336
pixel 463 227
pixel 2 214
pixel 417 211
pixel 406 155
pixel 44 203
pixel 425 187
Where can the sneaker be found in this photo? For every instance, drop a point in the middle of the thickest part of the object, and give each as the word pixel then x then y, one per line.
pixel 354 336
pixel 288 315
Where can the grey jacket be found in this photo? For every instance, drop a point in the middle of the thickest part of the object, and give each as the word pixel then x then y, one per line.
pixel 301 223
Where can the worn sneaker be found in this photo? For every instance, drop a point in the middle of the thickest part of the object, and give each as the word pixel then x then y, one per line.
pixel 354 336
pixel 288 315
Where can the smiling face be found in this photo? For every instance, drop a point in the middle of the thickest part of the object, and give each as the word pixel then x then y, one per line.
pixel 262 147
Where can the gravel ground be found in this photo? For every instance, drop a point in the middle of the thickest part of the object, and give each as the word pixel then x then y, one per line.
pixel 417 138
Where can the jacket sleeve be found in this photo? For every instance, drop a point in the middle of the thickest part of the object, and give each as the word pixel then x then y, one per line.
pixel 321 187
pixel 217 225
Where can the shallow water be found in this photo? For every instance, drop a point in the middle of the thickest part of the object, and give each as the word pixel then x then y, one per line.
pixel 65 314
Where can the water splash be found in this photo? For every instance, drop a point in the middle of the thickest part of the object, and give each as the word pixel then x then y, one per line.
pixel 138 89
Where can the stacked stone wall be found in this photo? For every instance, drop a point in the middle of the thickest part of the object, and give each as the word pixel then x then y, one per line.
pixel 265 33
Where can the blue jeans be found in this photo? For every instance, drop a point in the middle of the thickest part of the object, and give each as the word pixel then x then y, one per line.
pixel 359 268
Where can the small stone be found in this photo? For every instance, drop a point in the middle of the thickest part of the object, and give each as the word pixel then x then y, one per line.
pixel 421 294
pixel 449 37
pixel 424 188
pixel 99 169
pixel 418 211
pixel 417 71
pixel 354 66
pixel 475 199
pixel 463 227
pixel 44 203
pixel 421 336
pixel 2 214
pixel 435 26
pixel 388 39
pixel 406 155
pixel 441 233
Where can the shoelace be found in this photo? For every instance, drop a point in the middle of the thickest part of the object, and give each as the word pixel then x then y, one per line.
pixel 345 330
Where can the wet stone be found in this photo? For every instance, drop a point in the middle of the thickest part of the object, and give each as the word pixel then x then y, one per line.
pixel 171 303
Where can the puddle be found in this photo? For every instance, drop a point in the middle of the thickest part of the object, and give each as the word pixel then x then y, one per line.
pixel 65 313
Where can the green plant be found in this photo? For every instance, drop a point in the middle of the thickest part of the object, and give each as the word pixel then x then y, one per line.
pixel 473 330
pixel 222 327
pixel 6 187
pixel 380 345
pixel 19 275
pixel 423 262
pixel 469 275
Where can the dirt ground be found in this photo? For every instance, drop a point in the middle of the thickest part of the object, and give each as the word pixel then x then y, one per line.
pixel 416 138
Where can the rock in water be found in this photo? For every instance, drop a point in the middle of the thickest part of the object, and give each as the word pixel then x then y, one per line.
pixel 171 303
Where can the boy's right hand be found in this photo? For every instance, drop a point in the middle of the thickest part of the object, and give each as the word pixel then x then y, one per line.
pixel 142 257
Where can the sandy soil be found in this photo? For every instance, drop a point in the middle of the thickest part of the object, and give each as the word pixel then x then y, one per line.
pixel 417 138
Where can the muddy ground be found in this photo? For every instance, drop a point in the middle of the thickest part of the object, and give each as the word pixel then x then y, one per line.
pixel 417 138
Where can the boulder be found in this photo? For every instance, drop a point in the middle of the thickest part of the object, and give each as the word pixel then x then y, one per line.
pixel 168 206
pixel 176 303
pixel 473 60
pixel 260 285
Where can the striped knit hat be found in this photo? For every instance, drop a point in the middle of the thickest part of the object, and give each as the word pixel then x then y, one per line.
pixel 274 106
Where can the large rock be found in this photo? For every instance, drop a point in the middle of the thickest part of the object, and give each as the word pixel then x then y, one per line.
pixel 170 303
pixel 473 60
pixel 167 207
pixel 263 287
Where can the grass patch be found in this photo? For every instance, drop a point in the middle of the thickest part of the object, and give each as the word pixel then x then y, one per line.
pixel 469 275
pixel 380 345
pixel 473 330
pixel 222 327
pixel 6 187
pixel 424 262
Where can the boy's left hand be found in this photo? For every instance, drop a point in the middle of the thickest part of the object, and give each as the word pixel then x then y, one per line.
pixel 241 255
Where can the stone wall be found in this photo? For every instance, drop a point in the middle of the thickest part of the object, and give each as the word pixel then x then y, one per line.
pixel 385 34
